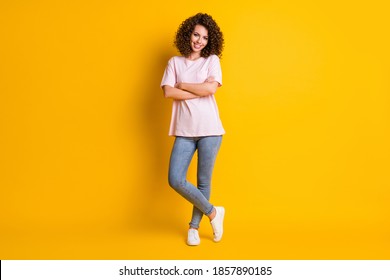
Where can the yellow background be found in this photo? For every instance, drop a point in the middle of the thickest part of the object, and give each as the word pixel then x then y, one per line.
pixel 303 170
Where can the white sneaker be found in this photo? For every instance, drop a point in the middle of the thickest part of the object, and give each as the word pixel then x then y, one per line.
pixel 217 223
pixel 193 237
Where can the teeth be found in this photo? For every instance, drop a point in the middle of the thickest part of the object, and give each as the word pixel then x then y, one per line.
pixel 197 46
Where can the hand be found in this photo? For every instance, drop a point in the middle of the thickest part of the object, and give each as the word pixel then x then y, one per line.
pixel 178 85
pixel 210 79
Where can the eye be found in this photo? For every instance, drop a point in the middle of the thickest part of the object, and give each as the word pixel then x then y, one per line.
pixel 206 38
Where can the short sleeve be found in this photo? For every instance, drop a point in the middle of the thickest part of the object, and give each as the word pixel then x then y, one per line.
pixel 169 77
pixel 215 69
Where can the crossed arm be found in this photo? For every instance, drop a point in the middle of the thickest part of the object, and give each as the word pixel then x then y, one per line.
pixel 184 91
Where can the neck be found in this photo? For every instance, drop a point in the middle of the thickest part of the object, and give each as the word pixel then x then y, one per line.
pixel 194 56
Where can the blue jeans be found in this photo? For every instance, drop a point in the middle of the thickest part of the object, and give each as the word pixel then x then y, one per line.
pixel 181 156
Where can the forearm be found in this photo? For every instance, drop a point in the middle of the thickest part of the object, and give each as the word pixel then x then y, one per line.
pixel 178 94
pixel 200 89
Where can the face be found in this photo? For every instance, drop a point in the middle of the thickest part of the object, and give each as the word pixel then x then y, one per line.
pixel 199 38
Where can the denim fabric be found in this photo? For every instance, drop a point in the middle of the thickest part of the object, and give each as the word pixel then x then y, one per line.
pixel 181 156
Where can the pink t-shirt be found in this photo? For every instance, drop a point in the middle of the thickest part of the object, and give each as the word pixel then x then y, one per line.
pixel 199 116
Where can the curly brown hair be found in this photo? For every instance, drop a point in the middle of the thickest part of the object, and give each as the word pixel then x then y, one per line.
pixel 215 36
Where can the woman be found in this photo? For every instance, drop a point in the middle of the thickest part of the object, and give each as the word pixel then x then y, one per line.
pixel 191 80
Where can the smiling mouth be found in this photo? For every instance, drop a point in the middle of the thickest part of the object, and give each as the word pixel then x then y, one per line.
pixel 197 46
